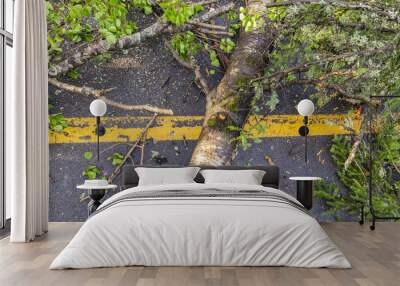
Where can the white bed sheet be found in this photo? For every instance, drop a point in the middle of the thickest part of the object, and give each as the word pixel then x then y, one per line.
pixel 200 232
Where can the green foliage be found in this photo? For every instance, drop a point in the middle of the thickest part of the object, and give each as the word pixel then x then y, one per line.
pixel 246 136
pixel 227 45
pixel 250 21
pixel 57 122
pixel 333 198
pixel 92 172
pixel 185 44
pixel 233 20
pixel 73 74
pixel 212 122
pixel 80 21
pixel 273 100
pixel 116 158
pixel 145 5
pixel 276 13
pixel 313 32
pixel 103 57
pixel 242 138
pixel 178 12
pixel 385 169
pixel 214 58
pixel 255 128
pixel 88 155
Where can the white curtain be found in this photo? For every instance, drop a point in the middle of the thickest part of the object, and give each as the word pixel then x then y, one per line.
pixel 27 159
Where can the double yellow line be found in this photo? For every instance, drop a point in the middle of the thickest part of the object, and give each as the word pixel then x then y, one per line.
pixel 172 128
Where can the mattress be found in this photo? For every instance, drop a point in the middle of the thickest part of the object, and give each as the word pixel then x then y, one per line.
pixel 201 225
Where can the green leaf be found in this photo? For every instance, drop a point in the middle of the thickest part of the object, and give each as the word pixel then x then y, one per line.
pixel 185 44
pixel 57 122
pixel 116 158
pixel 88 155
pixel 91 172
pixel 214 59
pixel 178 12
pixel 227 45
pixel 212 122
pixel 273 101
pixel 73 74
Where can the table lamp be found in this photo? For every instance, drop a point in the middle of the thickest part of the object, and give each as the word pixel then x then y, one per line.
pixel 98 108
pixel 305 108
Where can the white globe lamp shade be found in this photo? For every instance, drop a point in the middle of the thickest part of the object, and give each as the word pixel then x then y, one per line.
pixel 98 107
pixel 305 107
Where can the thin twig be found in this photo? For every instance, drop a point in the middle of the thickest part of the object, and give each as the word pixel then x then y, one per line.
pixel 356 145
pixel 113 146
pixel 216 32
pixel 200 81
pixel 206 25
pixel 205 2
pixel 89 91
pixel 176 56
pixel 117 170
pixel 142 148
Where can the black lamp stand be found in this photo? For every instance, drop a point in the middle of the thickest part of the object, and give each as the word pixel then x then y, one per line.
pixel 370 158
pixel 303 131
pixel 100 131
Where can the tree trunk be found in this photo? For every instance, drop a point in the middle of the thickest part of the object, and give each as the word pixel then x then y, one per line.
pixel 228 104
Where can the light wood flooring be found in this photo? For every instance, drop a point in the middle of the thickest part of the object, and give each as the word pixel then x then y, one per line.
pixel 375 257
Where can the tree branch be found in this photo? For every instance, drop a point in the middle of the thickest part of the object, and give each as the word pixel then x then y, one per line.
pixel 216 32
pixel 88 91
pixel 205 2
pixel 200 81
pixel 176 56
pixel 305 66
pixel 207 26
pixel 156 29
pixel 345 95
pixel 117 170
pixel 356 144
pixel 392 15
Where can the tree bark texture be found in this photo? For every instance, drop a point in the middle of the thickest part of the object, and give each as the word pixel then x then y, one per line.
pixel 228 104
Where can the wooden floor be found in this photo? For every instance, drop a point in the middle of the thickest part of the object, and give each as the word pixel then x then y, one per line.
pixel 375 257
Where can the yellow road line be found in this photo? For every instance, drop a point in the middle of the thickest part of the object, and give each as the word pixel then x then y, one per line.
pixel 171 128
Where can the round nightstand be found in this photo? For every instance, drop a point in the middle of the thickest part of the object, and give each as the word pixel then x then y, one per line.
pixel 96 193
pixel 304 193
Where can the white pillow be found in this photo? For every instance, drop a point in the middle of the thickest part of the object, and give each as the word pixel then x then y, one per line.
pixel 248 177
pixel 166 176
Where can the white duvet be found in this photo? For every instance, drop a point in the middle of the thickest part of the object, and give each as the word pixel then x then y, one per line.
pixel 200 231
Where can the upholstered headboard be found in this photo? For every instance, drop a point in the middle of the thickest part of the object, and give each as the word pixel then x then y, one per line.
pixel 271 178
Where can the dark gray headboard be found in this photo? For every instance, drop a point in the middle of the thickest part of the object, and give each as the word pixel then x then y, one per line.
pixel 271 178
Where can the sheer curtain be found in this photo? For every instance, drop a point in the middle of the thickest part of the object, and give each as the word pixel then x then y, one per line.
pixel 27 158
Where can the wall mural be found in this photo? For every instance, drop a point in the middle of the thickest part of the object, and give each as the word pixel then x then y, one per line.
pixel 219 82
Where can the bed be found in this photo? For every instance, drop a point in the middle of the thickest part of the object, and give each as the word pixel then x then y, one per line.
pixel 198 224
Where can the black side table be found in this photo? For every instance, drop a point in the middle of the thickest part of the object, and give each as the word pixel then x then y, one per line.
pixel 96 193
pixel 304 192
